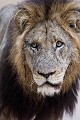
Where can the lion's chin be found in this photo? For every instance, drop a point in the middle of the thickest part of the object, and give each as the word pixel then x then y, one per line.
pixel 49 89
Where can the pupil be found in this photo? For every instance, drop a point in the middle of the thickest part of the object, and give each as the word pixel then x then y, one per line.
pixel 34 46
pixel 59 44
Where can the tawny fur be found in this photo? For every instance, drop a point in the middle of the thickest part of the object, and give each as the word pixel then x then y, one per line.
pixel 26 17
pixel 59 12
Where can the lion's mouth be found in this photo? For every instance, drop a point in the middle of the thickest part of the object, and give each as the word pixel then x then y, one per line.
pixel 55 85
pixel 49 89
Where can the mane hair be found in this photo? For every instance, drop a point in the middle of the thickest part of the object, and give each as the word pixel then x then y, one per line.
pixel 14 101
pixel 46 3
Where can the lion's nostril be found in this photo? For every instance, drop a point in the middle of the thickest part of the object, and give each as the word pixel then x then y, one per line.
pixel 46 75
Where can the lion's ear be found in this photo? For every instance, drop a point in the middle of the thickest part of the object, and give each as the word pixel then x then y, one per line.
pixel 22 19
pixel 74 21
pixel 72 18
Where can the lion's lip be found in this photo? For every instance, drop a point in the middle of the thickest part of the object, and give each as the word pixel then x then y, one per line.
pixel 55 85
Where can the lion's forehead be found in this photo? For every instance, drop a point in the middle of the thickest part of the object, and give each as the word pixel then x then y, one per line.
pixel 48 30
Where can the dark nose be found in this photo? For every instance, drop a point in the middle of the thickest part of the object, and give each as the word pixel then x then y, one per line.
pixel 46 75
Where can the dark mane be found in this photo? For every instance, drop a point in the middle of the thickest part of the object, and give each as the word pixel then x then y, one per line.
pixel 47 3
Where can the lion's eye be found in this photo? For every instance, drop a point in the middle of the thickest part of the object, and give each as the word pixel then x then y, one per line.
pixel 34 47
pixel 59 44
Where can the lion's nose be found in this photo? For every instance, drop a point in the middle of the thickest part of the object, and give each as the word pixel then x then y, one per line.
pixel 46 75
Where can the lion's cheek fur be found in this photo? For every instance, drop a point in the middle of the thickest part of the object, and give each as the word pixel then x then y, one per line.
pixel 72 73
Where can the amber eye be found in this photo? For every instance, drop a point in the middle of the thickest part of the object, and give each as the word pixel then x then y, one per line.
pixel 59 44
pixel 34 47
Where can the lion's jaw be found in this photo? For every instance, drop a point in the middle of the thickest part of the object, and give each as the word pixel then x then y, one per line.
pixel 50 86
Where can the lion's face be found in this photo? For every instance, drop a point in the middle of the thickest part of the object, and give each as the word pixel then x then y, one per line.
pixel 48 51
pixel 46 55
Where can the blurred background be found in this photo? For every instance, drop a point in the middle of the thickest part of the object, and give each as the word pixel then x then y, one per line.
pixel 5 2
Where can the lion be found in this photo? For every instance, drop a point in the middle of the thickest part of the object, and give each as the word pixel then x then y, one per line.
pixel 40 61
